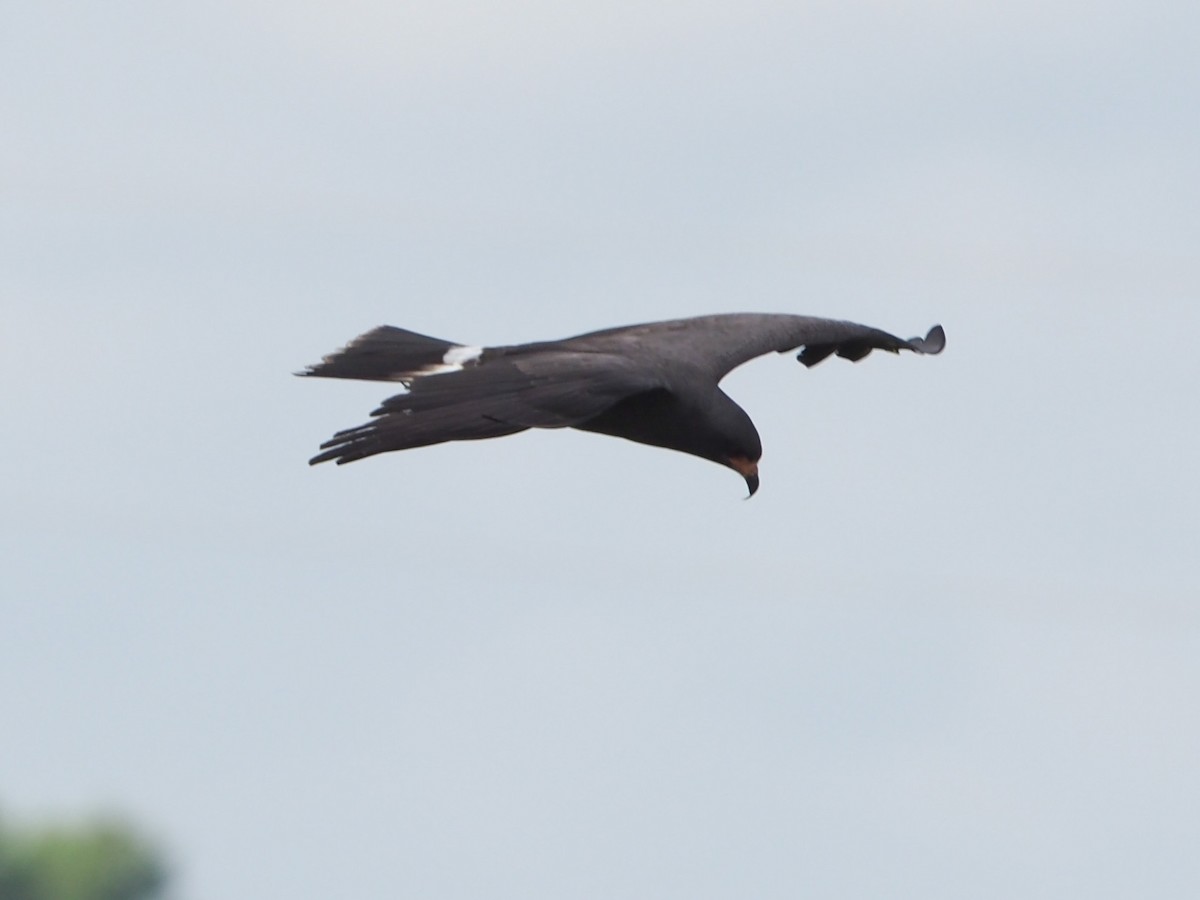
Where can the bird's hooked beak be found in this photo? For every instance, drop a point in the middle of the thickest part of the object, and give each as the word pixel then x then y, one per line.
pixel 748 469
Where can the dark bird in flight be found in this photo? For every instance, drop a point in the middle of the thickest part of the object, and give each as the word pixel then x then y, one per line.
pixel 655 384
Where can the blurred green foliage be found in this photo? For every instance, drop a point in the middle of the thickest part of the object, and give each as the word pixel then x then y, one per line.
pixel 97 860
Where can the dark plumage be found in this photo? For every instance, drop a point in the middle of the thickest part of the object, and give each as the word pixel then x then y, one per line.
pixel 655 384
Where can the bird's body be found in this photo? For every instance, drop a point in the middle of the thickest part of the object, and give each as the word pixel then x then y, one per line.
pixel 655 384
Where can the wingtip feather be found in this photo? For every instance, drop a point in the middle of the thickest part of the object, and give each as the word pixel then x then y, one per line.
pixel 933 343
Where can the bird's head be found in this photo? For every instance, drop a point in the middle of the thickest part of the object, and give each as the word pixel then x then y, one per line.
pixel 732 440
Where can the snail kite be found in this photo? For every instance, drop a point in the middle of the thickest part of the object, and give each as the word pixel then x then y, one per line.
pixel 656 384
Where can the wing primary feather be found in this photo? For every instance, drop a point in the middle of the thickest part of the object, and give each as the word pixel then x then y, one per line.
pixel 857 348
pixel 932 344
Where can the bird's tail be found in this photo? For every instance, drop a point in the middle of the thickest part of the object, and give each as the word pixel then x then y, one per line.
pixel 391 354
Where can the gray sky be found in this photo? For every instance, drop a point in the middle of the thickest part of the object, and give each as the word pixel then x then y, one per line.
pixel 951 648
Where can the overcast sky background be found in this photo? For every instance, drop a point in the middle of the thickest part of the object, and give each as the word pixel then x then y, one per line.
pixel 952 647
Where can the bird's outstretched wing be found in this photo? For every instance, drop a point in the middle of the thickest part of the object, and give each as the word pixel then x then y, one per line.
pixel 720 343
pixel 497 396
